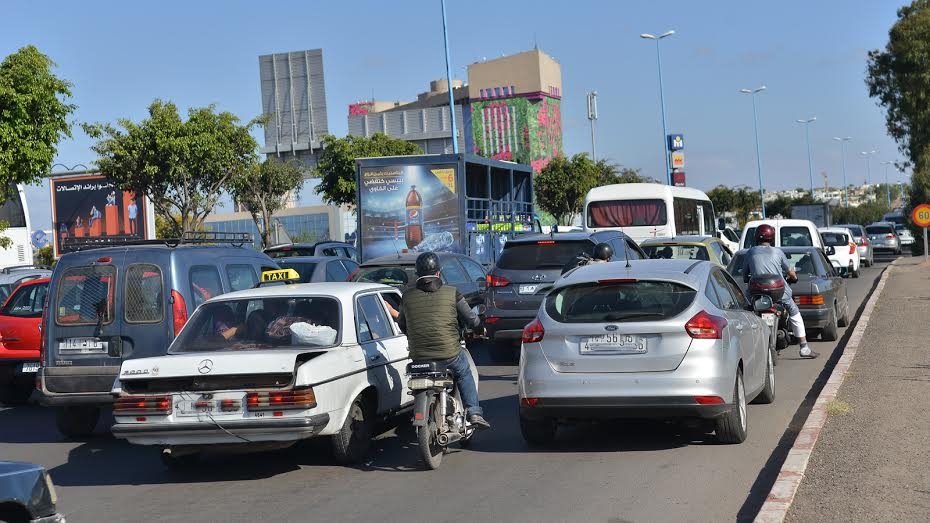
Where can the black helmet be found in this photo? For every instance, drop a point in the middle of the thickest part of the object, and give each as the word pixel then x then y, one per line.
pixel 603 251
pixel 427 264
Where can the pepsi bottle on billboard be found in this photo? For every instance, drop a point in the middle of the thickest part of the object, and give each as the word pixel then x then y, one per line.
pixel 414 232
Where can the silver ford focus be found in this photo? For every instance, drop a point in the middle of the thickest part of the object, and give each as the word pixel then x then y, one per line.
pixel 648 339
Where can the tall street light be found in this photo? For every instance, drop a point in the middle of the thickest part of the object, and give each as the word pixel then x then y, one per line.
pixel 887 187
pixel 668 167
pixel 845 183
pixel 807 134
pixel 445 39
pixel 868 164
pixel 755 126
pixel 592 117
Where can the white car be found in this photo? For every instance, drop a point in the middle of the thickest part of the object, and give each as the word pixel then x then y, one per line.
pixel 788 233
pixel 845 254
pixel 267 367
pixel 904 234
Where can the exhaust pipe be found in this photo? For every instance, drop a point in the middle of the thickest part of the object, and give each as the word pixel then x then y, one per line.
pixel 445 439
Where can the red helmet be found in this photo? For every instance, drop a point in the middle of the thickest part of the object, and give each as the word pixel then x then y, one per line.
pixel 765 234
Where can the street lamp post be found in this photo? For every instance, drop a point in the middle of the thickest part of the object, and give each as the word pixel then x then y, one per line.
pixel 668 167
pixel 755 127
pixel 868 164
pixel 843 149
pixel 592 117
pixel 807 134
pixel 445 39
pixel 887 187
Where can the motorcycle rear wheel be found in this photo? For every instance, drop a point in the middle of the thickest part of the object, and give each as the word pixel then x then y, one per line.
pixel 430 450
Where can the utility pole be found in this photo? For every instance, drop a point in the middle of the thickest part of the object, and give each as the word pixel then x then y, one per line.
pixel 592 117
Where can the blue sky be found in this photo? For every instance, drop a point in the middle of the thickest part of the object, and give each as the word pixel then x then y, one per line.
pixel 811 55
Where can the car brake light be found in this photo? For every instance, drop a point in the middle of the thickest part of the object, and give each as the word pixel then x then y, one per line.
pixel 533 332
pixel 281 399
pixel 529 402
pixel 545 242
pixel 708 400
pixel 705 326
pixel 178 311
pixel 616 281
pixel 816 299
pixel 497 281
pixel 889 236
pixel 491 320
pixel 852 248
pixel 127 405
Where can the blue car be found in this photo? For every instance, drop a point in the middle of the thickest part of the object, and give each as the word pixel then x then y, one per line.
pixel 27 494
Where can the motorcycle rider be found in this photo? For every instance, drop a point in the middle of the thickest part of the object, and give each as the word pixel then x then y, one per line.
pixel 429 315
pixel 603 252
pixel 765 259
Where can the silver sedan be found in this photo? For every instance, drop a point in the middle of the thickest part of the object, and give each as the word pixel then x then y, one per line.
pixel 656 339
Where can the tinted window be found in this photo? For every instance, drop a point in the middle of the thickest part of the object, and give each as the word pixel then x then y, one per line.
pixel 627 213
pixel 750 240
pixel 330 251
pixel 543 254
pixel 372 320
pixel 205 283
pixel 27 302
pixel 727 299
pixel 352 253
pixel 736 264
pixel 686 216
pixel 452 272
pixel 730 235
pixel 802 263
pixel 305 269
pixel 241 277
pixel 397 276
pixel 85 295
pixel 619 302
pixel 475 272
pixel 738 295
pixel 633 250
pixel 350 266
pixel 709 226
pixel 835 238
pixel 284 252
pixel 676 252
pixel 144 294
pixel 711 293
pixel 12 210
pixel 796 237
pixel 335 271
pixel 879 229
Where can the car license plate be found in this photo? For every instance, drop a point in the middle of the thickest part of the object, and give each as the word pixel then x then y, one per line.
pixel 195 407
pixel 30 367
pixel 769 320
pixel 82 345
pixel 614 344
pixel 528 289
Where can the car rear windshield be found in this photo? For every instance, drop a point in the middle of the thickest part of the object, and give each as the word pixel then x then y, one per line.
pixel 676 252
pixel 305 269
pixel 544 254
pixel 629 301
pixel 85 295
pixel 736 265
pixel 397 276
pixel 878 229
pixel 802 263
pixel 290 251
pixel 796 237
pixel 627 213
pixel 834 238
pixel 249 324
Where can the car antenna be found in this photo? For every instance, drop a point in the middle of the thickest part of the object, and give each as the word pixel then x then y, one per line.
pixel 626 254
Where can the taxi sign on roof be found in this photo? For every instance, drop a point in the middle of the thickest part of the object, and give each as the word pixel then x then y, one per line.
pixel 280 275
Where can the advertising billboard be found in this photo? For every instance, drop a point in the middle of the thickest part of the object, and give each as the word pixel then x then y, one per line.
pixel 91 206
pixel 409 208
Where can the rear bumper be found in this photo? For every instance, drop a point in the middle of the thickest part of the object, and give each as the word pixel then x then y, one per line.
pixel 815 318
pixel 205 433
pixel 67 386
pixel 510 324
pixel 626 407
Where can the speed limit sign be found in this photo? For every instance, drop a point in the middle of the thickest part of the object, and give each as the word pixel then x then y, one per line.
pixel 921 215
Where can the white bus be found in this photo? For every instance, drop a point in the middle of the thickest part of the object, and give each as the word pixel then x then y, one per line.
pixel 15 212
pixel 649 210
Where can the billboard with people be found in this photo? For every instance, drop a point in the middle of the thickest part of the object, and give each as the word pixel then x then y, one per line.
pixel 91 206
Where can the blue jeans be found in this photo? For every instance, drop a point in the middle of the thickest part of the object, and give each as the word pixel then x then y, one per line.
pixel 465 381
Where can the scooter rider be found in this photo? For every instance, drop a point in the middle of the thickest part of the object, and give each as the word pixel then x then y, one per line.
pixel 603 252
pixel 765 259
pixel 430 314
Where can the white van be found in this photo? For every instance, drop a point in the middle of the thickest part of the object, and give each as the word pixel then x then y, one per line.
pixel 788 233
pixel 649 210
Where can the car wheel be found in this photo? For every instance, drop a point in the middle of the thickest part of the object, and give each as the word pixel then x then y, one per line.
pixel 77 422
pixel 768 391
pixel 732 428
pixel 352 442
pixel 855 273
pixel 538 433
pixel 830 333
pixel 844 319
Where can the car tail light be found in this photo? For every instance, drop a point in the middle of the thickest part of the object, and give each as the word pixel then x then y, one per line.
pixel 497 281
pixel 529 402
pixel 852 248
pixel 178 311
pixel 491 320
pixel 127 405
pixel 705 326
pixel 708 400
pixel 230 405
pixel 533 332
pixel 816 299
pixel 281 399
pixel 545 242
pixel 889 236
pixel 352 275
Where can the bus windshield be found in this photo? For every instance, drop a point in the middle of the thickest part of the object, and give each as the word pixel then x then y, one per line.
pixel 627 213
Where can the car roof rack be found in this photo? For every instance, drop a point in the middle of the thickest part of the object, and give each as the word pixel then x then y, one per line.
pixel 236 239
pixel 17 268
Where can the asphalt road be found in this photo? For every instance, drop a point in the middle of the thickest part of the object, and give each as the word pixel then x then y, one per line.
pixel 631 471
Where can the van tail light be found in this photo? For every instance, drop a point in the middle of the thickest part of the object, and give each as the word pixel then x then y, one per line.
pixel 852 248
pixel 144 405
pixel 497 281
pixel 178 311
pixel 281 399
pixel 705 326
pixel 815 299
pixel 534 332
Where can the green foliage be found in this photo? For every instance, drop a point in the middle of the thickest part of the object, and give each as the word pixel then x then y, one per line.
pixel 781 205
pixel 739 200
pixel 168 226
pixel 918 193
pixel 864 214
pixel 181 165
pixel 563 183
pixel 336 164
pixel 45 256
pixel 610 173
pixel 33 117
pixel 262 191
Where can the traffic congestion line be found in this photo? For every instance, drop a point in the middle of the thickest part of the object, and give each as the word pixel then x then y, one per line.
pixel 778 502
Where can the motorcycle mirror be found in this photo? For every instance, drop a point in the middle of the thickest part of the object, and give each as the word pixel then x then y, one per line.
pixel 762 303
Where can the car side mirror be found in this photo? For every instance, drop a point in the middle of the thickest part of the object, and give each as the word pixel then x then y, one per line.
pixel 762 303
pixel 831 250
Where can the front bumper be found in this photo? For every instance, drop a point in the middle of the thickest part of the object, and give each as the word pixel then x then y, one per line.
pixel 209 433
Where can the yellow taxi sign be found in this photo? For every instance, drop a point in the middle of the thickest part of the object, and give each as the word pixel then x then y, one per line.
pixel 280 275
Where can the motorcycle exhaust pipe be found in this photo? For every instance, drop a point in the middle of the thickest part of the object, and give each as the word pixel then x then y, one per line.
pixel 448 438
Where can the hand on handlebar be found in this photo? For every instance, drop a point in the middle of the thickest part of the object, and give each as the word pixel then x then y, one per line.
pixel 791 279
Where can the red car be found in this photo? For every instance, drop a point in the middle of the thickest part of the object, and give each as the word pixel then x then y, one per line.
pixel 20 317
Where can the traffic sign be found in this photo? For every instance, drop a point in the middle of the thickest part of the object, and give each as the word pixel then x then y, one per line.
pixel 921 215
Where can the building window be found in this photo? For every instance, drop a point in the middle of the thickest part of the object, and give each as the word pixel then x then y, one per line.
pixel 506 91
pixel 497 92
pixel 482 93
pixel 513 90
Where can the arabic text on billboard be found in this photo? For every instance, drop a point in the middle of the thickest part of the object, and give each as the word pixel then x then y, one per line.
pixel 93 207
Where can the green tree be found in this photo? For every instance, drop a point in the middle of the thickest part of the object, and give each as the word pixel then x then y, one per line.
pixel 262 191
pixel 562 185
pixel 183 166
pixel 45 256
pixel 610 173
pixel 336 163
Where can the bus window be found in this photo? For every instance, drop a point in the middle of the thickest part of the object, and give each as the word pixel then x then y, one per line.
pixel 627 213
pixel 686 217
pixel 710 225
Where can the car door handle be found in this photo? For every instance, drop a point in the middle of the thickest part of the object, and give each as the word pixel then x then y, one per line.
pixel 374 357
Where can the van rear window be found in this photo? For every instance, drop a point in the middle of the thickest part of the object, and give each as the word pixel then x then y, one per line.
pixel 85 296
pixel 631 301
pixel 144 294
pixel 627 213
pixel 796 237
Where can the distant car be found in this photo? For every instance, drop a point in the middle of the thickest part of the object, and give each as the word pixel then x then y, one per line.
pixel 661 339
pixel 27 494
pixel 315 269
pixel 907 239
pixel 730 237
pixel 20 317
pixel 457 270
pixel 788 233
pixel 866 254
pixel 845 253
pixel 706 248
pixel 820 291
pixel 884 237
pixel 329 248
pixel 11 277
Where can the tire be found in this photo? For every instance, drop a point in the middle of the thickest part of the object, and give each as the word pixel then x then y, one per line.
pixel 538 433
pixel 77 422
pixel 830 333
pixel 353 441
pixel 844 319
pixel 732 428
pixel 767 395
pixel 430 450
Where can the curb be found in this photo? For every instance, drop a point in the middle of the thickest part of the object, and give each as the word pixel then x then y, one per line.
pixel 778 502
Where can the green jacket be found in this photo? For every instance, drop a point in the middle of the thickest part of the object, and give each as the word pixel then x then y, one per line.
pixel 430 316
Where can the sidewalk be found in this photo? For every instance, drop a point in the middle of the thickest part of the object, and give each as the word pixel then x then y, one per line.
pixel 871 461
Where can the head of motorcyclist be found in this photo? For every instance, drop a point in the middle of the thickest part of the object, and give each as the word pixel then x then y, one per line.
pixel 603 252
pixel 765 235
pixel 427 269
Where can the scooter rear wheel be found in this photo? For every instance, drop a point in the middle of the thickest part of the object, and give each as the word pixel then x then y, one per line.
pixel 430 449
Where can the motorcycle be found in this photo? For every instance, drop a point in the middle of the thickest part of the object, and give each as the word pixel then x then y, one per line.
pixel 765 294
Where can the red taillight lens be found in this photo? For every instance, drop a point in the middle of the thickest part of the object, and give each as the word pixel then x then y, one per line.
pixel 281 399
pixel 545 242
pixel 889 236
pixel 708 400
pixel 497 281
pixel 127 405
pixel 816 299
pixel 529 402
pixel 178 311
pixel 852 248
pixel 230 405
pixel 491 320
pixel 533 332
pixel 705 326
